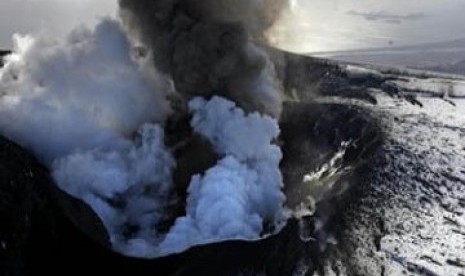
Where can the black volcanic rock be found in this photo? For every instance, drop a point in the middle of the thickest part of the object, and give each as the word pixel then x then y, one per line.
pixel 312 134
pixel 304 78
pixel 38 220
pixel 3 53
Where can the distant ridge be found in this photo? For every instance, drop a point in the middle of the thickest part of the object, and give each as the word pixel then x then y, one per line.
pixel 456 43
pixel 446 56
pixel 454 68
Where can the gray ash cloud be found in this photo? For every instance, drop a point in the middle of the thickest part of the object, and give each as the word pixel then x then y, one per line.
pixel 209 47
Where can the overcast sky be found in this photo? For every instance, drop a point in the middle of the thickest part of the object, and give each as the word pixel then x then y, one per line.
pixel 313 26
pixel 53 16
pixel 333 25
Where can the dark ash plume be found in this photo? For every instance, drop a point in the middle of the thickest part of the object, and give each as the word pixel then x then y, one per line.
pixel 207 47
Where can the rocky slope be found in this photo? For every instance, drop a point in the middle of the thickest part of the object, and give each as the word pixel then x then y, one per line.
pixel 405 215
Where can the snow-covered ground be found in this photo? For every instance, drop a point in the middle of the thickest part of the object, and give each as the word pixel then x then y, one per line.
pixel 410 217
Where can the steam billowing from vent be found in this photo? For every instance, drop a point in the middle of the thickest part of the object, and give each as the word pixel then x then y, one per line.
pixel 94 111
pixel 206 46
pixel 87 84
pixel 243 191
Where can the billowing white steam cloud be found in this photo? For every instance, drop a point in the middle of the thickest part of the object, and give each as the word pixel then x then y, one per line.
pixel 93 114
pixel 234 198
pixel 76 93
pixel 126 187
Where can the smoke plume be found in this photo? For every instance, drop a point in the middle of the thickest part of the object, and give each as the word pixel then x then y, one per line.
pixel 207 47
pixel 93 106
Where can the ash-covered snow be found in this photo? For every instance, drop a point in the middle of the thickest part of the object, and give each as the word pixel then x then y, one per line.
pixel 410 214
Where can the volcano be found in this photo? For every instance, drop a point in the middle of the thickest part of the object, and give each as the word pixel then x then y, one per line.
pixel 177 141
pixel 351 137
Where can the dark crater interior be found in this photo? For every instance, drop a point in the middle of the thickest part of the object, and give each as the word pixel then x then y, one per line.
pixel 43 227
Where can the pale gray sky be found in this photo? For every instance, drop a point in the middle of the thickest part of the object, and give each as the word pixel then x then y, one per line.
pixel 52 16
pixel 312 26
pixel 335 25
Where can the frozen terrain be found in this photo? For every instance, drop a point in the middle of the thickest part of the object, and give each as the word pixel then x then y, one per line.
pixel 409 214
